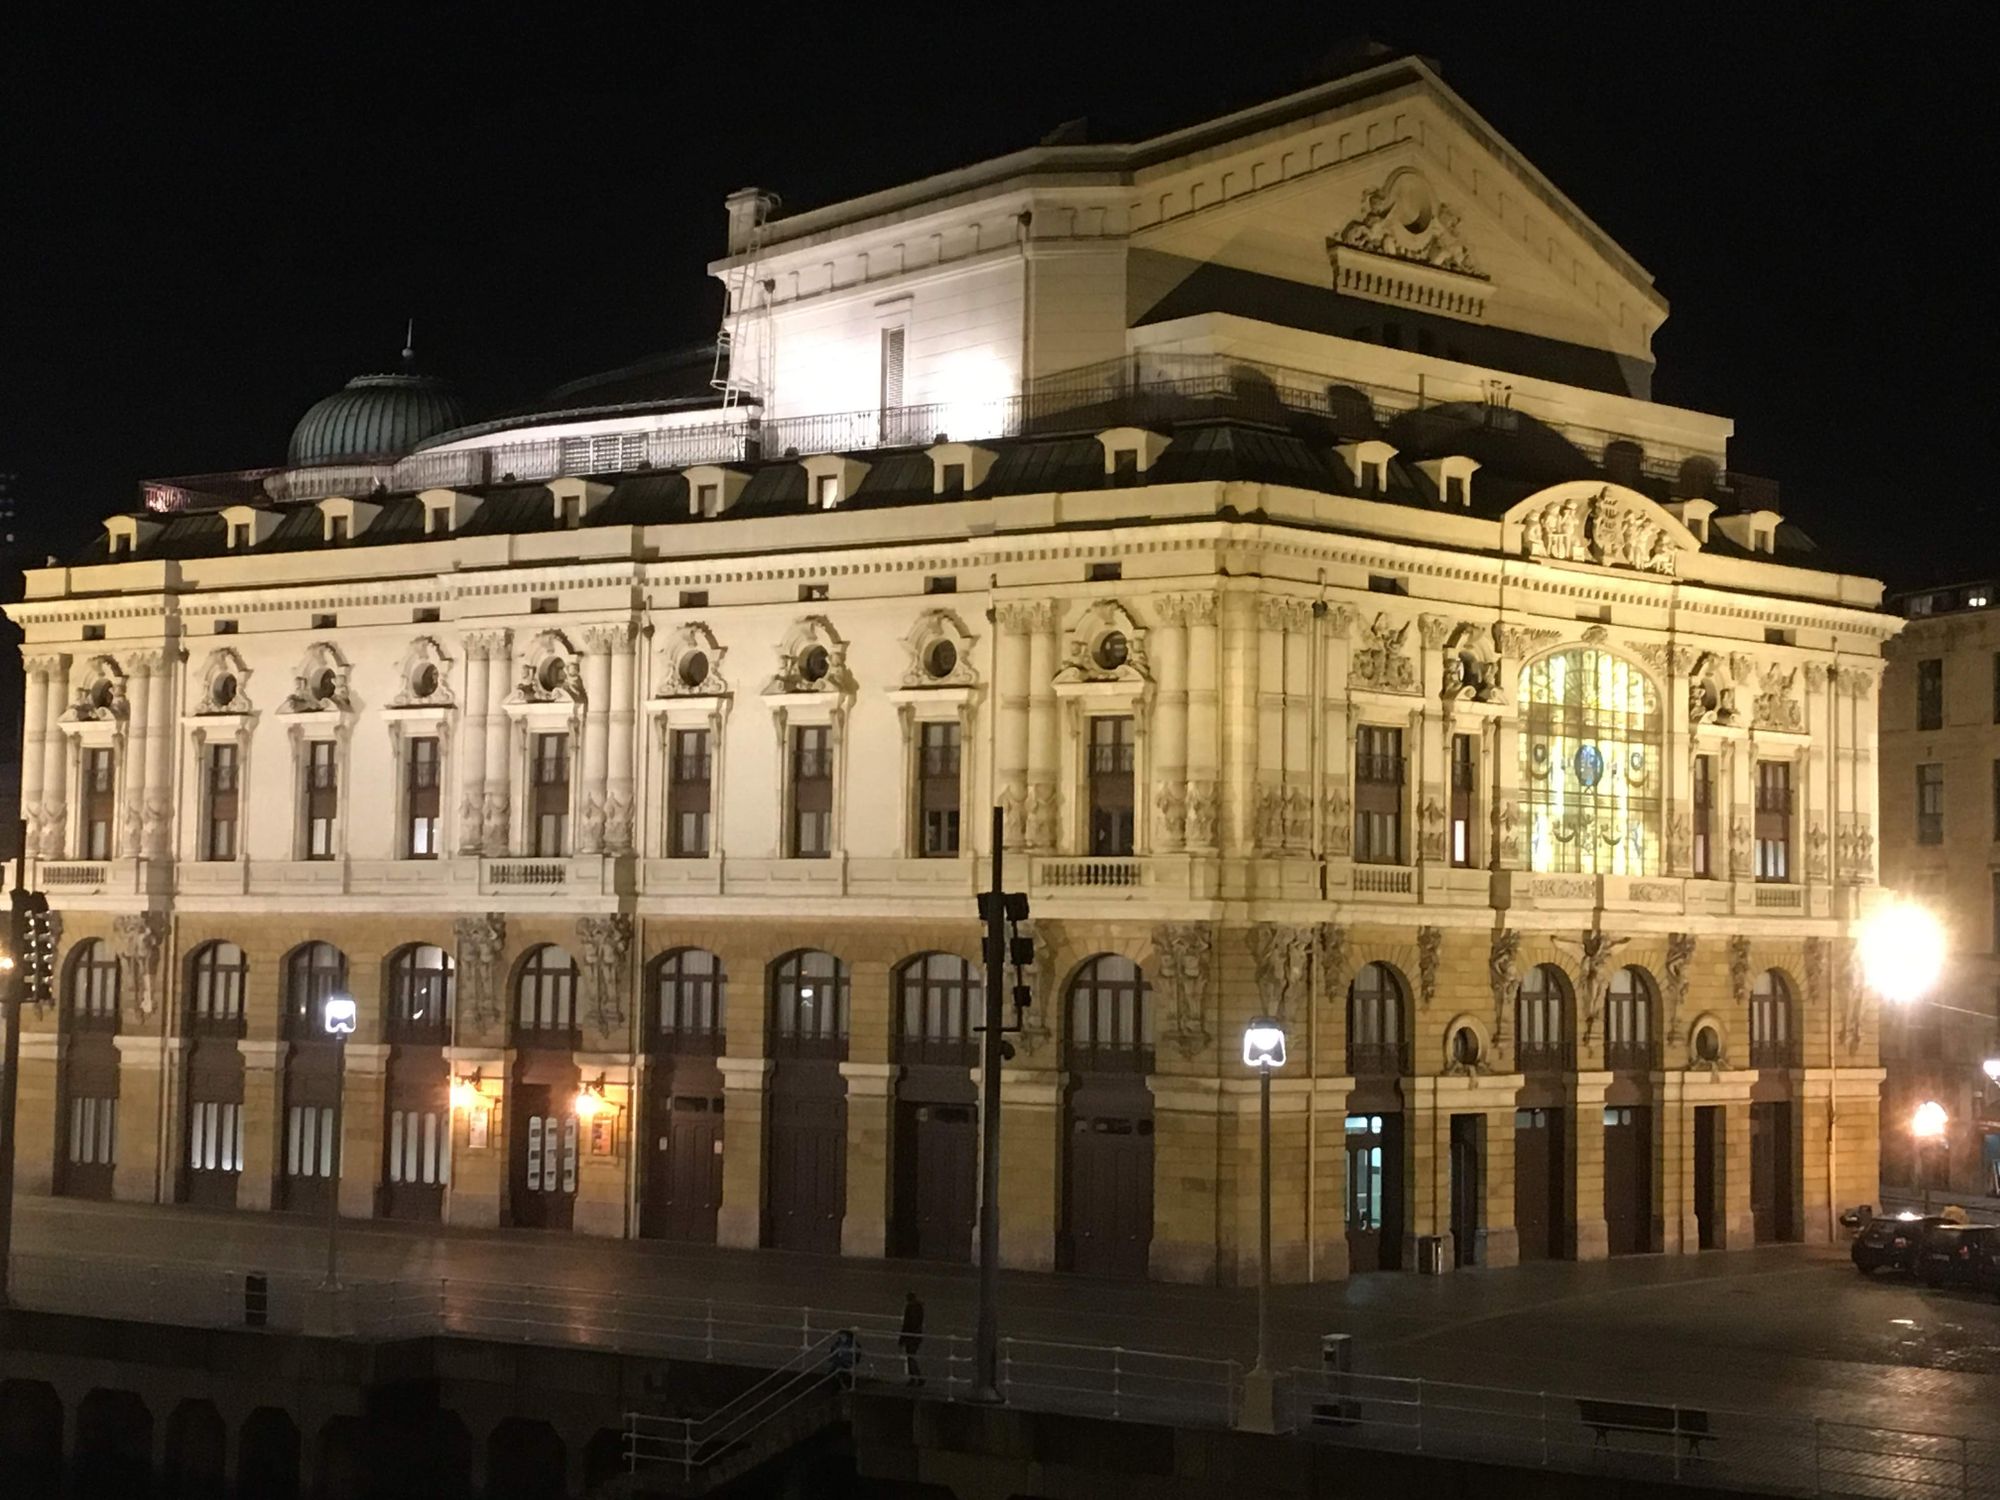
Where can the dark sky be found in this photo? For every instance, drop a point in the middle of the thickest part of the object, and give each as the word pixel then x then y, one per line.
pixel 210 227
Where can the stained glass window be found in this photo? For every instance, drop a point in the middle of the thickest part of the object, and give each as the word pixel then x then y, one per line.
pixel 1590 764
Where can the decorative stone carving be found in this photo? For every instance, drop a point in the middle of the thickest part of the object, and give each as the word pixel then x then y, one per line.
pixel 1430 948
pixel 1105 645
pixel 320 684
pixel 1339 818
pixel 549 672
pixel 1171 804
pixel 1013 814
pixel 1507 833
pixel 1854 994
pixel 1739 847
pixel 1739 968
pixel 1026 616
pixel 225 683
pixel 1405 220
pixel 1381 662
pixel 1281 952
pixel 139 939
pixel 481 938
pixel 1595 635
pixel 1775 706
pixel 1432 630
pixel 1333 957
pixel 1596 957
pixel 1280 612
pixel 1268 822
pixel 1504 967
pixel 424 678
pixel 1655 892
pixel 1674 980
pixel 1470 672
pixel 1297 816
pixel 1204 808
pixel 1816 851
pixel 1043 815
pixel 100 695
pixel 1680 840
pixel 605 939
pixel 1519 641
pixel 1039 977
pixel 1181 957
pixel 813 659
pixel 1604 528
pixel 690 664
pixel 1430 823
pixel 1652 653
pixel 940 649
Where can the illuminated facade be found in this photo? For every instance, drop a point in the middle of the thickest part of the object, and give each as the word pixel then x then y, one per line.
pixel 1269 518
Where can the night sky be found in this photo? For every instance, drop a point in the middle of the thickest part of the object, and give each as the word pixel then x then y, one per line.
pixel 213 227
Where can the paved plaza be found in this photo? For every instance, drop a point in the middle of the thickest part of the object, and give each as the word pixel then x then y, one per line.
pixel 1786 1328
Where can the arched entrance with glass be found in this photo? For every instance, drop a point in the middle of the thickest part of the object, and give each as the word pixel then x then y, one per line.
pixel 1543 1012
pixel 1378 1049
pixel 940 998
pixel 687 1021
pixel 416 1095
pixel 805 1136
pixel 1107 1200
pixel 1631 1051
pixel 1774 1053
pixel 542 1145
pixel 217 973
pixel 87 1109
pixel 311 1159
pixel 1591 733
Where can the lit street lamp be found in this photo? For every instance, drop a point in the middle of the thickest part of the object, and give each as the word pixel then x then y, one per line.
pixel 1927 1127
pixel 337 1016
pixel 1264 1050
pixel 1902 952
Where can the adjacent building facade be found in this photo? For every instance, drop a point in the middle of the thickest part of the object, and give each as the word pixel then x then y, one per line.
pixel 1268 518
pixel 1941 843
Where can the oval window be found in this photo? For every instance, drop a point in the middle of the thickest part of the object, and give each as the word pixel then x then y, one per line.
pixel 323 685
pixel 694 669
pixel 424 681
pixel 941 659
pixel 100 696
pixel 1465 1046
pixel 223 690
pixel 1112 650
pixel 815 664
pixel 1589 765
pixel 1707 1044
pixel 555 672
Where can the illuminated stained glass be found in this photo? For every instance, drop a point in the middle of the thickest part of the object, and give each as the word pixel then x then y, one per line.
pixel 1590 764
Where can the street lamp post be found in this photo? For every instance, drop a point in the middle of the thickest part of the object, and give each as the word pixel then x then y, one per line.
pixel 1264 1050
pixel 337 1017
pixel 1927 1125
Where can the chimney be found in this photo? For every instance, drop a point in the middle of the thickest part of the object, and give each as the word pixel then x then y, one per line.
pixel 747 208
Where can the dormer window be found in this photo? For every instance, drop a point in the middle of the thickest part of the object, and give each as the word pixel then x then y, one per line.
pixel 1368 462
pixel 572 500
pixel 123 534
pixel 712 489
pixel 239 534
pixel 437 520
pixel 1454 489
pixel 445 511
pixel 951 480
pixel 1452 478
pixel 826 491
pixel 336 528
pixel 958 467
pixel 121 544
pixel 707 499
pixel 1124 464
pixel 570 512
pixel 1371 478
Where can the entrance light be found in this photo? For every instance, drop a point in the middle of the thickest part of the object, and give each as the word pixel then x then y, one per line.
pixel 590 1103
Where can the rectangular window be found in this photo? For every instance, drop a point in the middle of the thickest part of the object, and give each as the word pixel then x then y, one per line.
pixel 572 512
pixel 322 799
pixel 1378 795
pixel 812 792
pixel 1104 572
pixel 215 1137
pixel 419 1148
pixel 707 499
pixel 689 778
pixel 99 798
pixel 941 583
pixel 1930 693
pixel 892 369
pixel 1704 816
pixel 420 788
pixel 937 790
pixel 812 593
pixel 93 1132
pixel 693 599
pixel 548 797
pixel 1774 820
pixel 1112 745
pixel 1464 781
pixel 1930 804
pixel 309 1140
pixel 219 837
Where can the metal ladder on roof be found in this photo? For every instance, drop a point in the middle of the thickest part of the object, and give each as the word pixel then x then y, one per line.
pixel 746 312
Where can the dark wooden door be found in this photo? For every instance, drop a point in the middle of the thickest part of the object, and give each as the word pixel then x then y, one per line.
pixel 1771 1171
pixel 87 1143
pixel 1108 1179
pixel 1628 1179
pixel 1709 1130
pixel 416 1135
pixel 805 1162
pixel 937 1179
pixel 1538 1179
pixel 1467 1187
pixel 213 1158
pixel 683 1189
pixel 310 1154
pixel 542 1152
pixel 1374 1192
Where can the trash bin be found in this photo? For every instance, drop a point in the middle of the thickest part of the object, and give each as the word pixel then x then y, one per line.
pixel 1336 1363
pixel 1430 1254
pixel 256 1300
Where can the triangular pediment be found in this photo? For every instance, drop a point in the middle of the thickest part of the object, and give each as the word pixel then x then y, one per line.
pixel 1605 525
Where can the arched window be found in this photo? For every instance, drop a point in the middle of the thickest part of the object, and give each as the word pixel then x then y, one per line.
pixel 1773 1038
pixel 312 972
pixel 1541 1020
pixel 1628 1020
pixel 690 1002
pixel 1375 1012
pixel 942 997
pixel 216 975
pixel 1590 764
pixel 545 995
pixel 420 992
pixel 1110 1017
pixel 809 1005
pixel 93 987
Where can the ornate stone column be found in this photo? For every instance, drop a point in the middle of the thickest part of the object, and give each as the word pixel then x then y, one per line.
pixel 1336 756
pixel 472 747
pixel 1044 809
pixel 1204 792
pixel 1169 642
pixel 494 800
pixel 619 800
pixel 158 818
pixel 1010 761
pixel 34 731
pixel 139 669
pixel 55 762
pixel 597 646
pixel 1240 668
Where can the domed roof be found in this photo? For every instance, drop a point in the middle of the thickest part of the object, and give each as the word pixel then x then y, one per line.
pixel 377 418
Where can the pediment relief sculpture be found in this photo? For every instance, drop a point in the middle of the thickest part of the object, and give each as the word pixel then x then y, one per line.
pixel 225 684
pixel 1382 659
pixel 1405 219
pixel 690 664
pixel 1609 527
pixel 940 650
pixel 1105 645
pixel 549 672
pixel 813 659
pixel 424 679
pixel 1470 672
pixel 1776 705
pixel 1712 690
pixel 100 694
pixel 320 683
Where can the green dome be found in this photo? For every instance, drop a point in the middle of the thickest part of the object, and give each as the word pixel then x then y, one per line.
pixel 376 419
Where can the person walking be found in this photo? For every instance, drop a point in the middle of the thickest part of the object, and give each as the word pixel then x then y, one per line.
pixel 912 1340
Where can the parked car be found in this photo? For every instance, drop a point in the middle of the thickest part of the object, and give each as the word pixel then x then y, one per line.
pixel 1888 1242
pixel 1957 1254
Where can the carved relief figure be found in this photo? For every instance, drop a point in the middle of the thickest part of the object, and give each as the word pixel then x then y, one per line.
pixel 1739 968
pixel 1775 707
pixel 139 939
pixel 1596 958
pixel 1281 953
pixel 1044 815
pixel 1603 529
pixel 1203 808
pixel 1504 966
pixel 1404 219
pixel 1170 797
pixel 605 940
pixel 1339 819
pixel 1181 955
pixel 1430 948
pixel 1381 661
pixel 1332 957
pixel 1674 980
pixel 480 938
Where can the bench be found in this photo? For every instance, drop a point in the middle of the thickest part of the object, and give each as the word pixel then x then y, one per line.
pixel 1607 1417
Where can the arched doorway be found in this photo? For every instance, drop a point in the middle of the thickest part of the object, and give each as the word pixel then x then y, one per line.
pixel 416 1097
pixel 687 1025
pixel 542 1136
pixel 310 1165
pixel 1107 1208
pixel 31 1439
pixel 939 999
pixel 1774 1052
pixel 195 1465
pixel 1544 1054
pixel 216 975
pixel 1378 1013
pixel 267 1455
pixel 1631 1051
pixel 113 1451
pixel 87 1125
pixel 805 1155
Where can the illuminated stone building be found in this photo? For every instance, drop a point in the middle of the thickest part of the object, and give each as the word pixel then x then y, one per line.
pixel 1271 517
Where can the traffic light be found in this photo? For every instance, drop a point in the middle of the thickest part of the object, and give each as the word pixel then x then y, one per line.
pixel 35 945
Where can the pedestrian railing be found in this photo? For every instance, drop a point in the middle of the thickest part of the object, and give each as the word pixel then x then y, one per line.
pixel 694 1443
